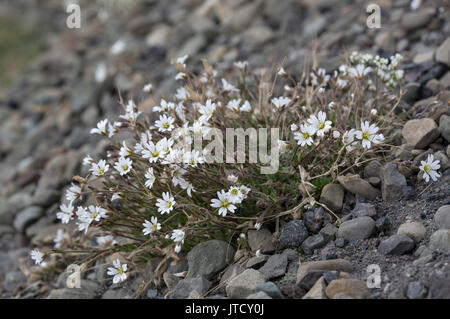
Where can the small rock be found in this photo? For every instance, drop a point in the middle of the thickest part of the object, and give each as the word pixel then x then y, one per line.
pixel 208 258
pixel 313 242
pixel 231 272
pixel 271 289
pixel 444 126
pixel 314 219
pixel 364 209
pixel 414 230
pixel 396 245
pixel 416 290
pixel 412 92
pixel 323 266
pixel 440 241
pixel 332 196
pixel 444 161
pixel 329 232
pixel 170 280
pixel 259 295
pixel 340 242
pixel 392 183
pixel 244 284
pixel 357 185
pixel 257 261
pixel 26 217
pixel 443 53
pixel 14 280
pixel 354 288
pixel 420 133
pixel 275 267
pixel 358 228
pixel 184 287
pixel 261 240
pixel 329 276
pixel 317 291
pixel 386 41
pixel 442 217
pixel 373 169
pixel 439 284
pixel 418 19
pixel 293 234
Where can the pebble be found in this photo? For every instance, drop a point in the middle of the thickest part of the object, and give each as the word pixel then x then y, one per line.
pixel 186 286
pixel 261 240
pixel 275 266
pixel 293 234
pixel 442 217
pixel 440 241
pixel 416 290
pixel 392 183
pixel 420 133
pixel 332 196
pixel 353 288
pixel 396 245
pixel 26 217
pixel 357 185
pixel 414 230
pixel 244 284
pixel 313 242
pixel 358 228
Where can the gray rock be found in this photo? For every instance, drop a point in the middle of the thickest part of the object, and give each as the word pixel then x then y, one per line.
pixel 350 287
pixel 322 266
pixel 26 217
pixel 117 294
pixel 386 41
pixel 373 169
pixel 448 149
pixel 317 291
pixel 420 133
pixel 418 19
pixel 392 183
pixel 231 272
pixel 261 240
pixel 404 152
pixel 412 91
pixel 187 286
pixel 14 280
pixel 439 284
pixel 257 261
pixel 364 209
pixel 333 196
pixel 396 245
pixel 314 219
pixel 440 241
pixel 271 289
pixel 329 232
pixel 443 53
pixel 88 290
pixel 259 295
pixel 208 258
pixel 275 267
pixel 257 35
pixel 170 280
pixel 313 242
pixel 244 284
pixel 442 217
pixel 416 290
pixel 414 230
pixel 444 126
pixel 356 185
pixel 293 234
pixel 358 228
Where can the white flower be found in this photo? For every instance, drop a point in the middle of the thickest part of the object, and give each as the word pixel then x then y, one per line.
pixel 101 72
pixel 148 88
pixel 153 152
pixel 258 226
pixel 373 112
pixel 101 128
pixel 323 75
pixel 166 204
pixel 206 110
pixel 341 83
pixel 360 71
pixel 320 123
pixel 187 186
pixel 258 253
pixel 66 213
pixel 429 168
pixel 234 105
pixel 348 139
pixel 193 158
pixel 282 72
pixel 86 217
pixel 73 193
pixel 181 60
pixel 336 134
pixel 294 127
pixel 368 135
pixel 61 235
pixel 232 178
pixel 100 168
pixel 415 4
pixel 87 160
pixel 223 203
pixel 244 190
pixel 182 94
pixel 150 178
pixel 165 123
pixel 241 65
pixel 282 146
pixel 116 196
pixel 118 47
pixel 305 135
pixel 105 240
pixel 228 87
pixel 281 101
pixel 150 227
pixel 131 113
pixel 234 195
pixel 180 76
pixel 37 256
pixel 246 107
pixel 164 106
pixel 123 165
pixel 118 271
pixel 125 151
pixel 178 238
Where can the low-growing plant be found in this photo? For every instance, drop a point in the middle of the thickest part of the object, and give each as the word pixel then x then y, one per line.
pixel 161 198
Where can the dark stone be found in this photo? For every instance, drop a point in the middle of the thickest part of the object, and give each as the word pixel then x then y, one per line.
pixel 396 245
pixel 313 242
pixel 293 234
pixel 314 219
pixel 382 224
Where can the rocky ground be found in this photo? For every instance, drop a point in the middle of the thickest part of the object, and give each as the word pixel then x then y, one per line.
pixel 390 217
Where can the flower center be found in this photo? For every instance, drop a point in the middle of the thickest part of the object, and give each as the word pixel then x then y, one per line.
pixel 234 192
pixel 224 203
pixel 426 168
pixel 101 171
pixel 166 125
pixel 306 135
pixel 321 125
pixel 125 167
pixel 365 135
